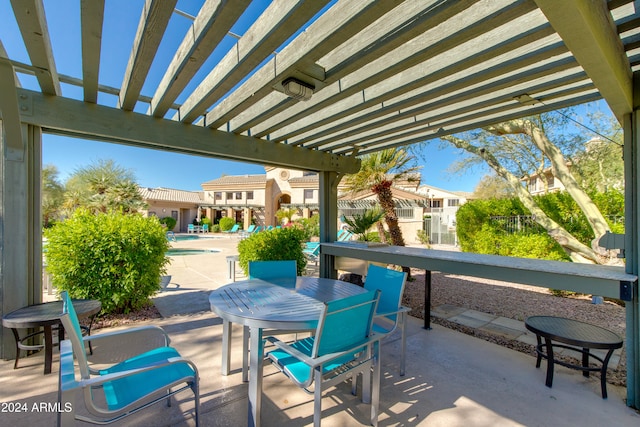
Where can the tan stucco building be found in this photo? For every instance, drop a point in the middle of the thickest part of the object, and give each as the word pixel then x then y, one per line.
pixel 255 199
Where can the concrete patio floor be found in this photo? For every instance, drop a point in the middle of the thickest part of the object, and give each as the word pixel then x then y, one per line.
pixel 452 379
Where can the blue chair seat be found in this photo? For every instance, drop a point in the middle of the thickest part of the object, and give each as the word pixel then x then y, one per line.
pixel 122 392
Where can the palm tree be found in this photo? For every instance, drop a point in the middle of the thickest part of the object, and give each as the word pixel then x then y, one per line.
pixel 360 224
pixel 378 172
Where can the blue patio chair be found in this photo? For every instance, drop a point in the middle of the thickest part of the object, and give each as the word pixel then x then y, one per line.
pixel 342 347
pixel 191 228
pixel 390 313
pixel 205 228
pixel 345 236
pixel 283 272
pixel 124 388
pixel 269 270
pixel 312 251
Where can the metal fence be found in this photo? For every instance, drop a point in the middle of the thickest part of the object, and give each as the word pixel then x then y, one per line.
pixel 440 226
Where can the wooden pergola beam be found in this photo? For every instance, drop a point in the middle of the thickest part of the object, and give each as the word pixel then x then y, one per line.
pixel 91 18
pixel 215 19
pixel 341 22
pixel 591 37
pixel 151 28
pixel 278 22
pixel 75 118
pixel 35 33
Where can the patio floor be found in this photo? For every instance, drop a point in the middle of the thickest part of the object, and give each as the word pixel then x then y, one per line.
pixel 452 379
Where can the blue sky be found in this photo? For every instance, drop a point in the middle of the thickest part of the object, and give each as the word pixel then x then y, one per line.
pixel 156 168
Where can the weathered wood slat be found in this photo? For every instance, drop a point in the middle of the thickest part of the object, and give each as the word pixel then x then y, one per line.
pixel 153 23
pixel 35 34
pixel 215 19
pixel 271 29
pixel 91 18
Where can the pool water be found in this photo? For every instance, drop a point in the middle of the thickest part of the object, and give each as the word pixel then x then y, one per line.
pixel 180 251
pixel 182 237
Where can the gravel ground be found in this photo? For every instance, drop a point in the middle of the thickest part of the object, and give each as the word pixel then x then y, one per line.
pixel 516 302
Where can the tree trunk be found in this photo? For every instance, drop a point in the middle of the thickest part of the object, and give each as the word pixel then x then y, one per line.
pixel 577 251
pixel 385 197
pixel 381 232
pixel 561 171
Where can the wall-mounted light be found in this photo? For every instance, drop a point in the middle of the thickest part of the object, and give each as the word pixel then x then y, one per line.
pixel 297 89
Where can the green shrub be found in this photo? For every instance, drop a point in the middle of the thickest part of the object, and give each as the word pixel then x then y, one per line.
pixel 226 223
pixel 215 228
pixel 115 258
pixel 204 220
pixel 274 245
pixel 310 226
pixel 169 221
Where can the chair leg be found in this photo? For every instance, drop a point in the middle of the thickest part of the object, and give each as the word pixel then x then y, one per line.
pixel 317 398
pixel 245 354
pixel 375 389
pixel 403 330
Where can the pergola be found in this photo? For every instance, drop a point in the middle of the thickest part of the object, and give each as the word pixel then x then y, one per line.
pixel 310 85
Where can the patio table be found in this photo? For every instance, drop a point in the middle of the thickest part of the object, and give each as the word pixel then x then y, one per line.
pixel 47 316
pixel 285 304
pixel 574 335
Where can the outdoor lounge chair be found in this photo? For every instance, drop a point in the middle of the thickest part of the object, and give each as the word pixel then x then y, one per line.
pixel 124 388
pixel 191 228
pixel 233 229
pixel 312 251
pixel 205 228
pixel 342 347
pixel 390 313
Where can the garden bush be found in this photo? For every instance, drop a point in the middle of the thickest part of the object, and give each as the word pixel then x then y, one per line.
pixel 169 221
pixel 115 258
pixel 226 223
pixel 274 245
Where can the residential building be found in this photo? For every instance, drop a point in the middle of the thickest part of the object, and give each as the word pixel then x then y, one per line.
pixel 255 199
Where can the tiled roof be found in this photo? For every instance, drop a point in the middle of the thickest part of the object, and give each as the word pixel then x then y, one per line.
pixel 171 195
pixel 238 179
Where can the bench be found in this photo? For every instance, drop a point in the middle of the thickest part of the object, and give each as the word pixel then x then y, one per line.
pixel 573 335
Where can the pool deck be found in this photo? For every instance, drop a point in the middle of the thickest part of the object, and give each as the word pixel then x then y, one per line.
pixel 452 379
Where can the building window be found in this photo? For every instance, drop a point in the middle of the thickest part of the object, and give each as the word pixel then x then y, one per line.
pixel 229 195
pixel 238 196
pixel 217 195
pixel 551 181
pixel 453 202
pixel 174 215
pixel 436 203
pixel 152 213
pixel 249 195
pixel 308 194
pixel 532 184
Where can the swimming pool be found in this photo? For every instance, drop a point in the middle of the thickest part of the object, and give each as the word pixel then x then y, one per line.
pixel 183 251
pixel 182 237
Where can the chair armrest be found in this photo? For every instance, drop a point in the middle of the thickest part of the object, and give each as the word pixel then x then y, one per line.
pixel 401 309
pixel 319 361
pixel 130 331
pixel 99 380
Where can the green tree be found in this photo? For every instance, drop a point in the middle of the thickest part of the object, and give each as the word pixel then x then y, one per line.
pixel 103 186
pixel 521 147
pixel 492 186
pixel 360 224
pixel 52 196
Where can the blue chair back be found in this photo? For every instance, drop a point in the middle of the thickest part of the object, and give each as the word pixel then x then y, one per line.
pixel 71 325
pixel 390 283
pixel 267 270
pixel 345 323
